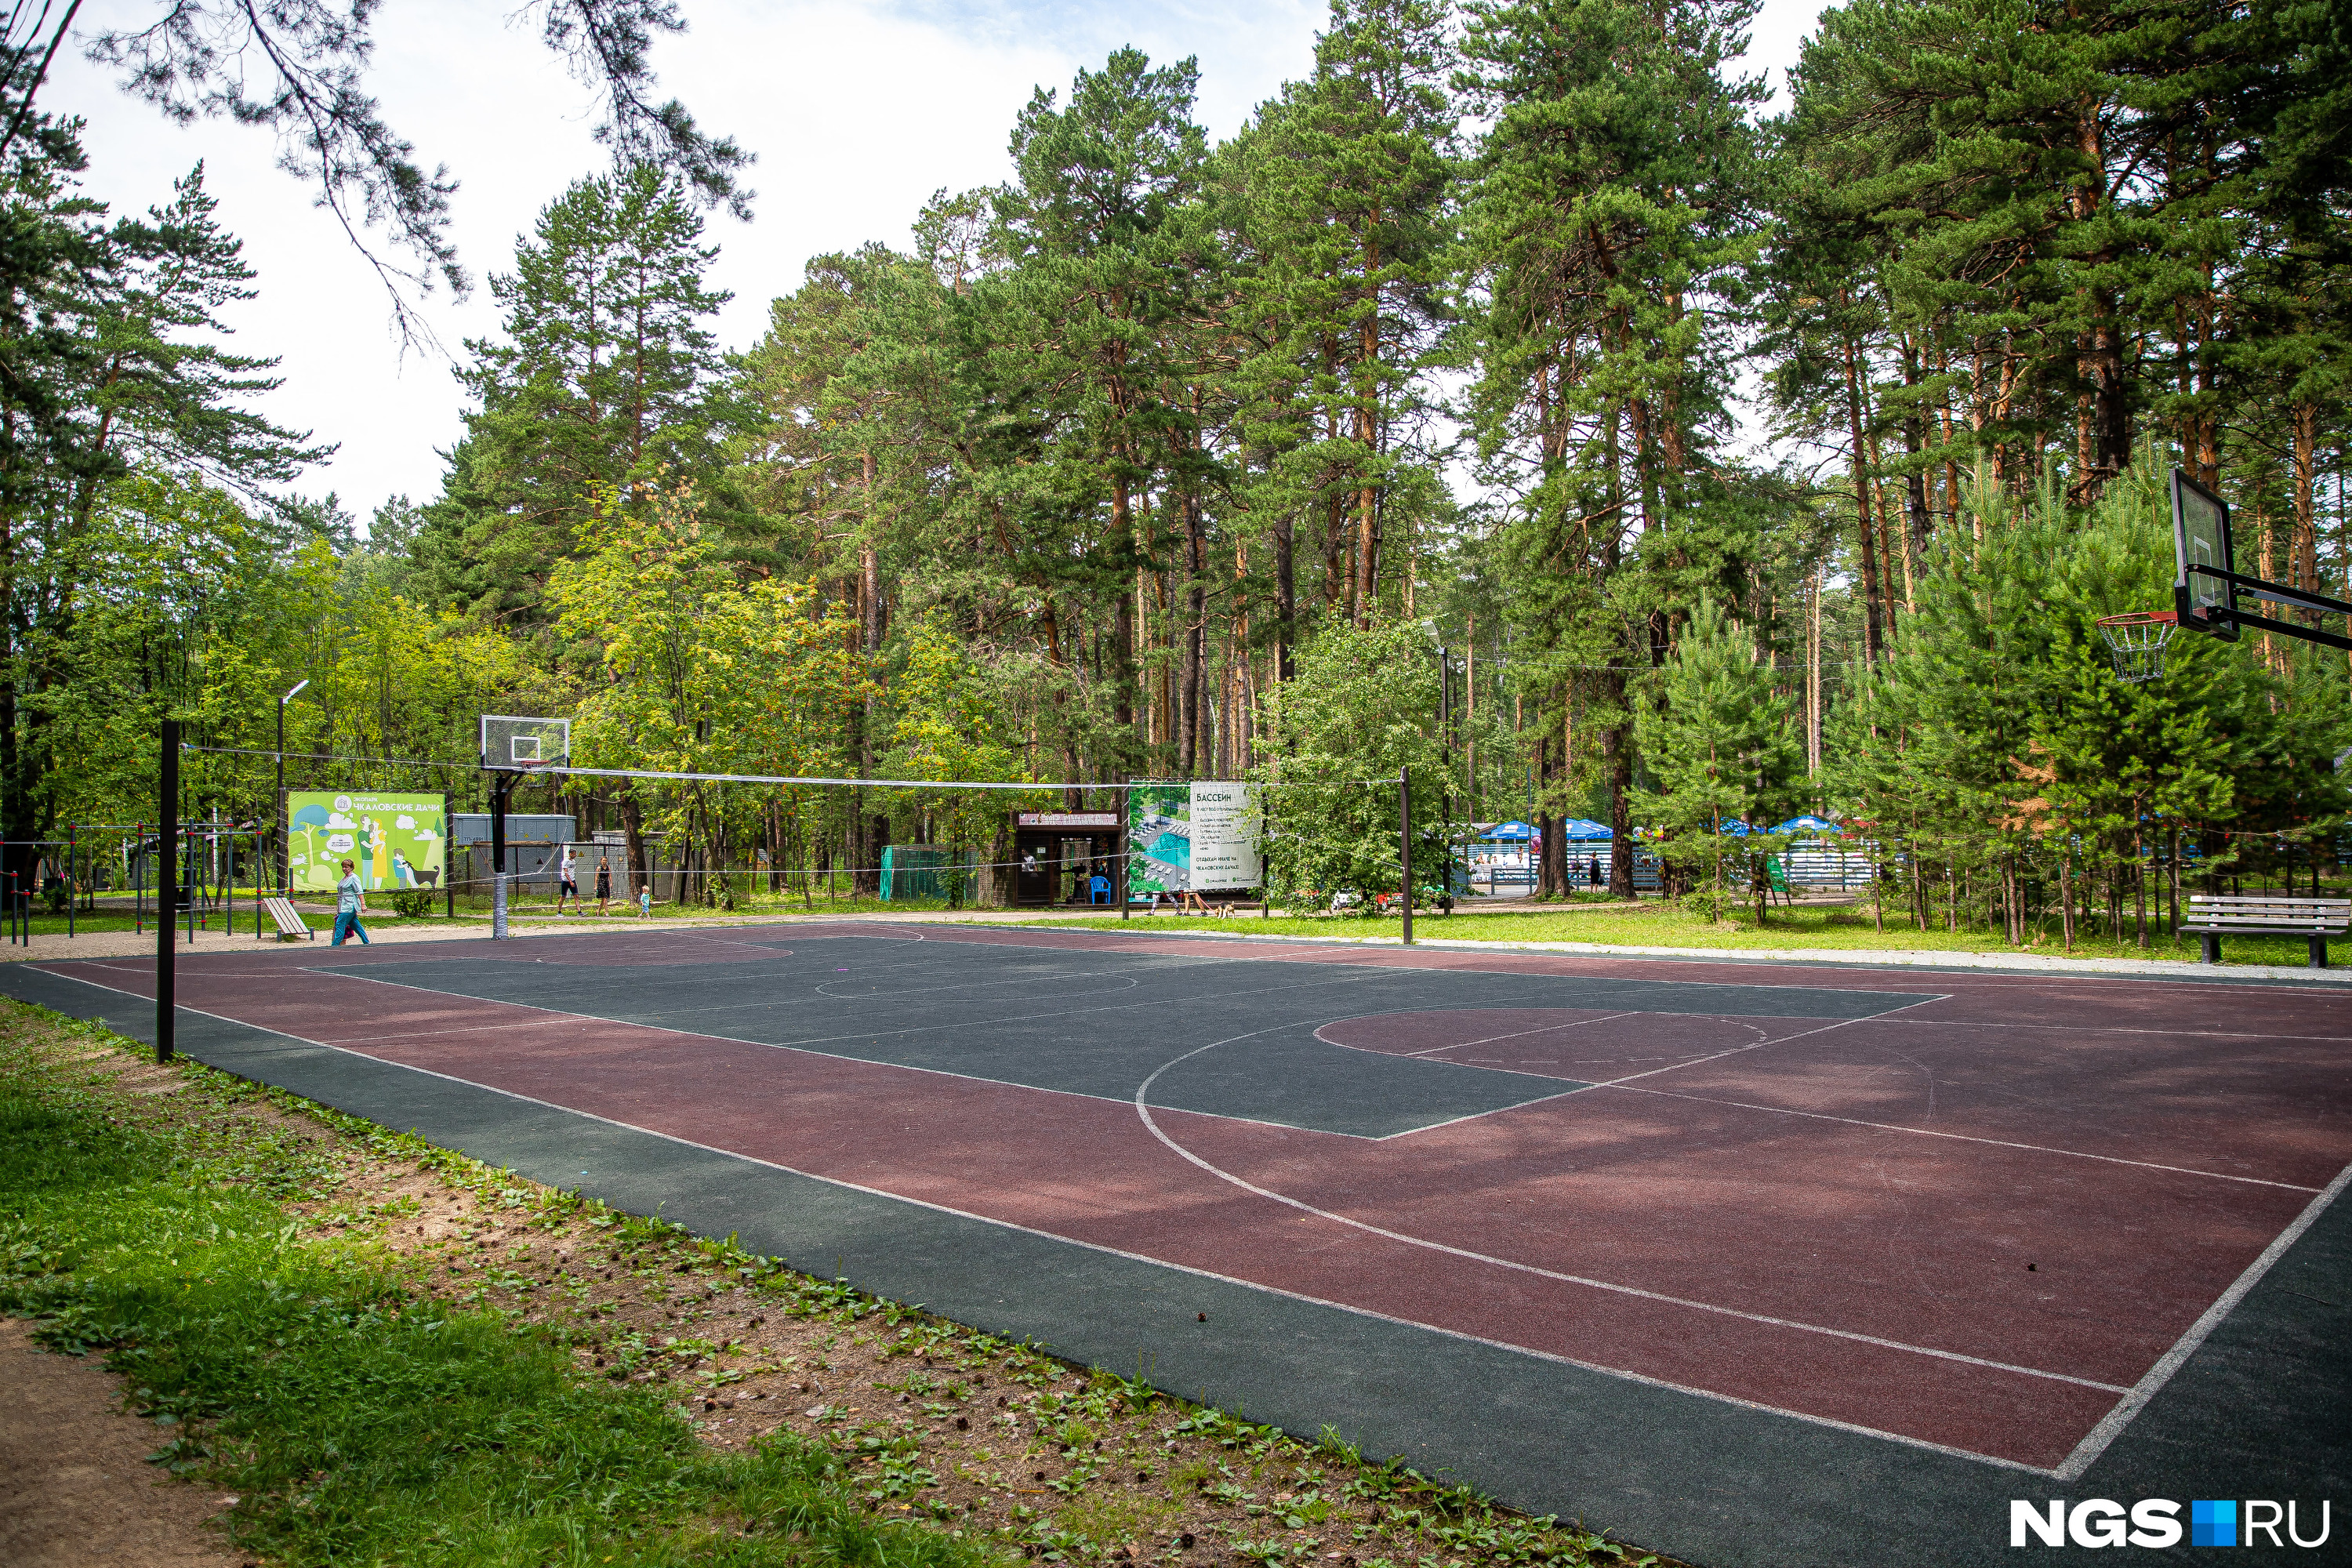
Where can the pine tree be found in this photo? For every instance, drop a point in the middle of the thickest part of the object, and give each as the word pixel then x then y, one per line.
pixel 1607 214
pixel 607 374
pixel 1348 219
pixel 1722 746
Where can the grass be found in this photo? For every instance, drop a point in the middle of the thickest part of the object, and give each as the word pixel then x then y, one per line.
pixel 1655 923
pixel 390 1353
pixel 358 1421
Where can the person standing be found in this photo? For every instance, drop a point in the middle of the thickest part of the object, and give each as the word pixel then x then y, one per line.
pixel 604 882
pixel 567 881
pixel 645 901
pixel 350 903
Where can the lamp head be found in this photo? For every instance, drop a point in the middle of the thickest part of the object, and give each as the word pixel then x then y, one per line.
pixel 296 692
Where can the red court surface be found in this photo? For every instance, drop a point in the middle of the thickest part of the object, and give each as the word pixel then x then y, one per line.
pixel 1988 1216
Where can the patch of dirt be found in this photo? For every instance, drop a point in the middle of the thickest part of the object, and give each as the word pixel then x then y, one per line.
pixel 75 1488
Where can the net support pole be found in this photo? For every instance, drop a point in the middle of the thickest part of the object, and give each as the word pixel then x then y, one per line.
pixel 1404 843
pixel 1126 836
pixel 168 873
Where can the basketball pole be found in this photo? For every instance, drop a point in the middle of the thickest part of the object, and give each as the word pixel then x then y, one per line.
pixel 501 783
pixel 166 878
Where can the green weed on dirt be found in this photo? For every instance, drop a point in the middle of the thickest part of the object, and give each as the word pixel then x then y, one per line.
pixel 359 1422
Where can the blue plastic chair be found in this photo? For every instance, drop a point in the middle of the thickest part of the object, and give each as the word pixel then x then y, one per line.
pixel 1099 889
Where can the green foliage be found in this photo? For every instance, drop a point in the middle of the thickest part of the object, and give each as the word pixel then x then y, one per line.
pixel 1722 749
pixel 1999 740
pixel 357 1421
pixel 1360 713
pixel 607 375
pixel 1085 482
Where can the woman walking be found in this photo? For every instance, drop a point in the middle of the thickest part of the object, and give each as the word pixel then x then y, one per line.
pixel 604 882
pixel 350 903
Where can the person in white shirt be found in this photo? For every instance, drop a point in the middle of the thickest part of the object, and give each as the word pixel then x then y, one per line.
pixel 350 903
pixel 568 881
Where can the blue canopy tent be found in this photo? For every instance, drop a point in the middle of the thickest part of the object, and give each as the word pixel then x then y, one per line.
pixel 1808 823
pixel 1515 832
pixel 1583 830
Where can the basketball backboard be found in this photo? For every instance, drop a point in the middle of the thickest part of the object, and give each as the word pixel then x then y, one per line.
pixel 517 744
pixel 2200 537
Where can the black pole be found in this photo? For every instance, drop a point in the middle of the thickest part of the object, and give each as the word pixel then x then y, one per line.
pixel 1404 843
pixel 1127 838
pixel 284 839
pixel 168 862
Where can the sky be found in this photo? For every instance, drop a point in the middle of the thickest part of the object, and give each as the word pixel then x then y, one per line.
pixel 859 111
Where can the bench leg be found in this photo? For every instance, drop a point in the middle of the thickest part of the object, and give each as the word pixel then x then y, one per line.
pixel 2212 945
pixel 2319 953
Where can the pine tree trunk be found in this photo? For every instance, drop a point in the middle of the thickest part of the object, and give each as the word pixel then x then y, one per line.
pixel 1617 751
pixel 2066 895
pixel 1285 596
pixel 2302 549
pixel 1872 633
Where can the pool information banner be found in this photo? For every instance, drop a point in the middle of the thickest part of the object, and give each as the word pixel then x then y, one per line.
pixel 392 841
pixel 1191 837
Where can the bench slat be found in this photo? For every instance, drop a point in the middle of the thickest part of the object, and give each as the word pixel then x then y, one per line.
pixel 288 919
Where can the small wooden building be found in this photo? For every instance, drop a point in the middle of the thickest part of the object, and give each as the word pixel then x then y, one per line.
pixel 1067 858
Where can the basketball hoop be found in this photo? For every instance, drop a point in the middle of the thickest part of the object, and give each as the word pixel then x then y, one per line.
pixel 2137 641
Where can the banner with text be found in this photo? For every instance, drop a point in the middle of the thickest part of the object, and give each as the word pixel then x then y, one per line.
pixel 392 841
pixel 1191 837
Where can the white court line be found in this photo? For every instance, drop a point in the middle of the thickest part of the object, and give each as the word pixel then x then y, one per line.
pixel 1492 1039
pixel 1761 1044
pixel 2103 1433
pixel 1145 1259
pixel 884 1066
pixel 869 1035
pixel 2118 1029
pixel 2111 1425
pixel 1143 1110
pixel 1964 1138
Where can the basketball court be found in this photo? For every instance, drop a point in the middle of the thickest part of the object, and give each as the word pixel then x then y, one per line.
pixel 1745 1262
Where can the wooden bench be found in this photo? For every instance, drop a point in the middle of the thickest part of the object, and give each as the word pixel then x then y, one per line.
pixel 2213 916
pixel 289 922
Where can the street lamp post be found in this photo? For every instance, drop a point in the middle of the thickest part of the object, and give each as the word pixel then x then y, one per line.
pixel 285 841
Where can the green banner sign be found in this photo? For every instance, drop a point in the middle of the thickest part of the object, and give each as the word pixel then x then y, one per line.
pixel 1198 837
pixel 392 841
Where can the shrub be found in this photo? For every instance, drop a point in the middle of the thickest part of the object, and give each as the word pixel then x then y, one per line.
pixel 1709 904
